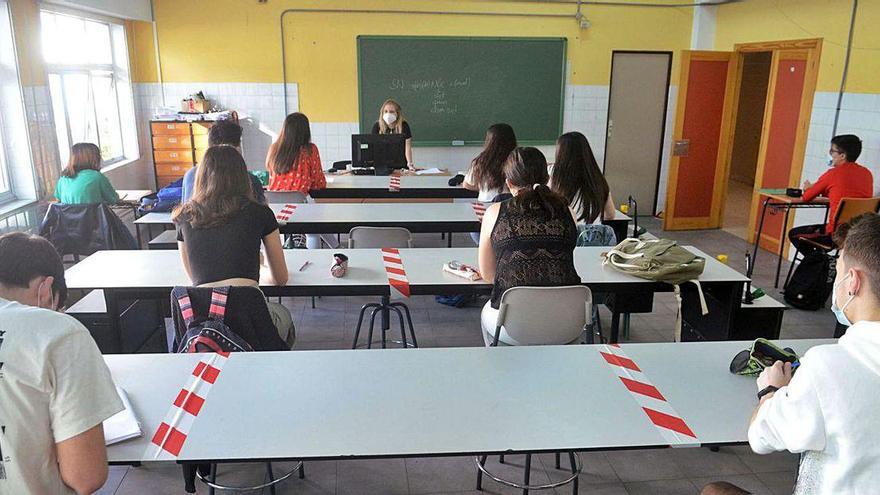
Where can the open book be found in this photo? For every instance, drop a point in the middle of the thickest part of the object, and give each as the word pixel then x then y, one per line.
pixel 122 425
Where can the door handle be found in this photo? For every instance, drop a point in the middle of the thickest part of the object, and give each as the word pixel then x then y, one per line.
pixel 680 147
pixel 610 127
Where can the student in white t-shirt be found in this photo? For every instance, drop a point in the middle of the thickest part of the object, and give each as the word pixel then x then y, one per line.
pixel 55 390
pixel 828 409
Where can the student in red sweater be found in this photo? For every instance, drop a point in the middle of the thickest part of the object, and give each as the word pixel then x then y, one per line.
pixel 846 179
pixel 293 160
pixel 295 165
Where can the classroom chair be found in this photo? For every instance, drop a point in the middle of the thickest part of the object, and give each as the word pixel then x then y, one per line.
pixel 247 315
pixel 848 209
pixel 377 238
pixel 81 230
pixel 564 315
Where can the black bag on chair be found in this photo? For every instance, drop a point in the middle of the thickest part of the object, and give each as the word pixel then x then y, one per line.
pixel 811 283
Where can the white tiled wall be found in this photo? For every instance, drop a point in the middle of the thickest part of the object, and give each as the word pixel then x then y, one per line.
pixel 860 115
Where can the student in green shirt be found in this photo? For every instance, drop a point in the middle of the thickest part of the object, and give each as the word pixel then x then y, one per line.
pixel 82 182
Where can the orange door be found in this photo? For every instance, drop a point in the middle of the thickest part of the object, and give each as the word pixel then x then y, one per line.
pixel 694 193
pixel 782 140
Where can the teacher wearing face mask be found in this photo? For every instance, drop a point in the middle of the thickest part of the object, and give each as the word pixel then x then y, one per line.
pixel 391 121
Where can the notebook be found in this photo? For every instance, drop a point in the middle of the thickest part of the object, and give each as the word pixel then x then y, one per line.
pixel 122 425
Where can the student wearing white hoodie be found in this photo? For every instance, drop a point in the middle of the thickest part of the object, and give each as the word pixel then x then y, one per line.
pixel 828 409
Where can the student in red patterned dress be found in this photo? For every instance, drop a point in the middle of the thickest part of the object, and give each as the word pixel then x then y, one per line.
pixel 294 164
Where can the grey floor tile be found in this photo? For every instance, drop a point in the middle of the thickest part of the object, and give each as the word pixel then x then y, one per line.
pixel 777 461
pixel 779 483
pixel 662 487
pixel 320 478
pixel 643 465
pixel 441 474
pixel 385 476
pixel 157 477
pixel 114 479
pixel 513 470
pixel 700 462
pixel 595 468
pixel 748 482
pixel 322 345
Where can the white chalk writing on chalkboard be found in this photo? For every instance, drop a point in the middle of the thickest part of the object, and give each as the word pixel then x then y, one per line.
pixel 417 85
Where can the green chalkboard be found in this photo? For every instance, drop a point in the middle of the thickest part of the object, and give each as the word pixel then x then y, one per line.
pixel 453 88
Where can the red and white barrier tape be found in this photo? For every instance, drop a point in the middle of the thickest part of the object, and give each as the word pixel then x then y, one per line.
pixel 661 413
pixel 169 438
pixel 396 274
pixel 479 210
pixel 394 184
pixel 285 213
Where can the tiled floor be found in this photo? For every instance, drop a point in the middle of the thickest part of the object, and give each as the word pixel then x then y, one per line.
pixel 671 471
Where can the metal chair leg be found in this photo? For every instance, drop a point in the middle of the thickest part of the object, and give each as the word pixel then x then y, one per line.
pixel 313 302
pixel 527 474
pixel 302 471
pixel 213 479
pixel 501 458
pixel 372 323
pixel 574 471
pixel 357 330
pixel 480 473
pixel 271 477
pixel 402 325
pixel 557 460
pixel 412 331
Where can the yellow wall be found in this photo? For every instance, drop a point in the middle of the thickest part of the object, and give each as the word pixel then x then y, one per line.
pixel 766 20
pixel 25 26
pixel 142 53
pixel 237 41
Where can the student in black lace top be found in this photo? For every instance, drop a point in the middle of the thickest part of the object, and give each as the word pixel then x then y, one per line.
pixel 527 240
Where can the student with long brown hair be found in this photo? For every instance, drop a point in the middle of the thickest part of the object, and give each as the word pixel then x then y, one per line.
pixel 486 173
pixel 391 121
pixel 576 176
pixel 293 161
pixel 527 240
pixel 221 228
pixel 295 165
pixel 81 181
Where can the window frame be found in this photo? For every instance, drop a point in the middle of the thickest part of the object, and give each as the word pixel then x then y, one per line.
pixel 9 195
pixel 113 69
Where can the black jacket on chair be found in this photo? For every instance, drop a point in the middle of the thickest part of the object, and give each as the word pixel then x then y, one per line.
pixel 84 229
pixel 246 314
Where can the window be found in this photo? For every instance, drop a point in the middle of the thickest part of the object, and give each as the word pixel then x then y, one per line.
pixel 16 168
pixel 87 63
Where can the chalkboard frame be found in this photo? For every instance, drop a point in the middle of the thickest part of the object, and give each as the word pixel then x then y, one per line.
pixel 447 143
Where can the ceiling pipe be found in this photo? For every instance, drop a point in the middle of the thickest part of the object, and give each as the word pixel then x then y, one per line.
pixel 578 16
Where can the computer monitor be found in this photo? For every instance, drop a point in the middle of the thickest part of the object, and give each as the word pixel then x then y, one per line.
pixel 383 152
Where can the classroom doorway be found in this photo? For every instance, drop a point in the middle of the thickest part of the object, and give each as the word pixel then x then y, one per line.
pixel 636 124
pixel 748 123
pixel 700 193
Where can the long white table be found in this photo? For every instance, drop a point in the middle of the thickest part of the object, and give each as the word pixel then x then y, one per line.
pixel 142 274
pixel 452 401
pixel 376 187
pixel 337 218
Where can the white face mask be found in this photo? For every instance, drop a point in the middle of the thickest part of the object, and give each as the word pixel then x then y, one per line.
pixel 50 303
pixel 390 117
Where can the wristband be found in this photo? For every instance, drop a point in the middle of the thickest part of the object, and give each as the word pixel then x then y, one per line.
pixel 769 389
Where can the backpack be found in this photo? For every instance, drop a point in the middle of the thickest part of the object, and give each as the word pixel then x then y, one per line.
pixel 660 260
pixel 811 283
pixel 210 334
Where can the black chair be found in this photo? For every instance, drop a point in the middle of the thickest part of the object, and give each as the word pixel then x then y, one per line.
pixel 248 316
pixel 81 230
